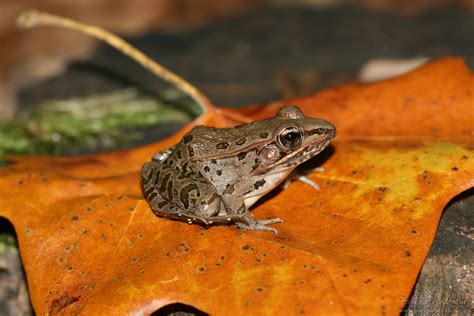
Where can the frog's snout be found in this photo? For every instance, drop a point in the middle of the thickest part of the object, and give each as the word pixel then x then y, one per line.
pixel 329 129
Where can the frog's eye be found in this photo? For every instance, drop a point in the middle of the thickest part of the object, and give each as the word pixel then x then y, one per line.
pixel 290 138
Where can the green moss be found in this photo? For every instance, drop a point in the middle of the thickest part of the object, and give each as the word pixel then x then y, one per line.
pixel 97 122
pixel 7 242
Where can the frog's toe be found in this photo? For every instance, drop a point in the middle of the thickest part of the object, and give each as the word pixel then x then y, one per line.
pixel 269 221
pixel 297 176
pixel 256 226
pixel 260 225
pixel 308 181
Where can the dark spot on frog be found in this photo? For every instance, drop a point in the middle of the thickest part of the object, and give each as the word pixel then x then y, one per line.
pixel 213 161
pixel 242 155
pixel 207 169
pixel 222 145
pixel 162 204
pixel 219 172
pixel 163 183
pixel 169 190
pixel 241 141
pixel 191 151
pixel 229 189
pixel 178 153
pixel 187 138
pixel 184 194
pixel 264 135
pixel 259 184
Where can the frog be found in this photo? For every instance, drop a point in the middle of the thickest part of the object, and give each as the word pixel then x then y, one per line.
pixel 213 176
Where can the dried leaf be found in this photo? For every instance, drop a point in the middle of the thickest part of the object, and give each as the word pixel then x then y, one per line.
pixel 89 241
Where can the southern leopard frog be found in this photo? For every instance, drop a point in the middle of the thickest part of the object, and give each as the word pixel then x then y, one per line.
pixel 214 175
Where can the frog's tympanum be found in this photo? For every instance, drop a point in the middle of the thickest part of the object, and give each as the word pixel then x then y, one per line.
pixel 214 175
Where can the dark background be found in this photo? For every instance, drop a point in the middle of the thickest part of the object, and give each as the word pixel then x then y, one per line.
pixel 283 52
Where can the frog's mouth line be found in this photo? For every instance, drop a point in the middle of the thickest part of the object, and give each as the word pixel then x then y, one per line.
pixel 299 156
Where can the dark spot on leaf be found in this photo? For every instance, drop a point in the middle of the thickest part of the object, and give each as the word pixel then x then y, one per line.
pixel 382 189
pixel 61 303
pixel 368 281
pixel 84 231
pixel 258 289
pixel 454 168
pixel 407 253
pixel 202 269
pixel 248 247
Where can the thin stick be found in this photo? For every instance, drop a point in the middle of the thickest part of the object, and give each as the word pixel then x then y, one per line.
pixel 33 18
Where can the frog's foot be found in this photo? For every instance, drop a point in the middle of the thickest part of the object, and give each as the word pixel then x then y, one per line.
pixel 252 224
pixel 299 176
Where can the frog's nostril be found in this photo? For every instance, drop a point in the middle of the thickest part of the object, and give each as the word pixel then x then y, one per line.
pixel 331 132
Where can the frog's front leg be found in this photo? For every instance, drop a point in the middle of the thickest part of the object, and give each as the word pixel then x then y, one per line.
pixel 242 217
pixel 299 175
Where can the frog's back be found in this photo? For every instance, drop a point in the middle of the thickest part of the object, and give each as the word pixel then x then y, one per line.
pixel 204 141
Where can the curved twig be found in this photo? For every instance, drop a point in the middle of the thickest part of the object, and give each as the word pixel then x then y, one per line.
pixel 33 18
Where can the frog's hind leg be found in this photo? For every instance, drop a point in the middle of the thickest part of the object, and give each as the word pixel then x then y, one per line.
pixel 175 195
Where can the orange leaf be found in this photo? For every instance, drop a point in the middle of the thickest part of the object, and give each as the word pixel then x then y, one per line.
pixel 90 243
